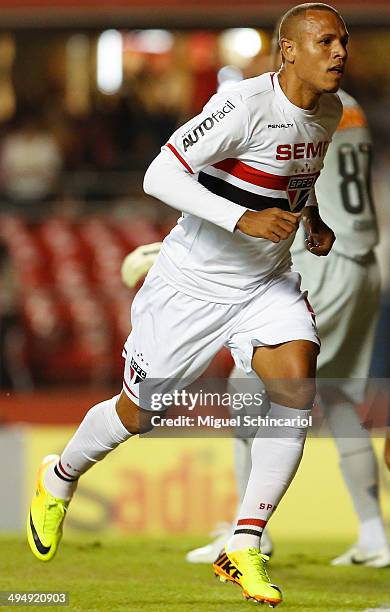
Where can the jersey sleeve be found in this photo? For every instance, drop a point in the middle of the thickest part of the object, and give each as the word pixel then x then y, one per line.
pixel 221 130
pixel 171 183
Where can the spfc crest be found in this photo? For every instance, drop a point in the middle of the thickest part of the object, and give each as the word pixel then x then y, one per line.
pixel 298 190
pixel 137 374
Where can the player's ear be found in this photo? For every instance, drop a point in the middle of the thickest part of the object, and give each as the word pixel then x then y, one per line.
pixel 288 49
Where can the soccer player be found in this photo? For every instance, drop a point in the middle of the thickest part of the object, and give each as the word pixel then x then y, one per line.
pixel 344 293
pixel 243 172
pixel 345 198
pixel 345 316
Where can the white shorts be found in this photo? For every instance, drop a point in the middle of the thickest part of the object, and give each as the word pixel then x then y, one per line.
pixel 175 336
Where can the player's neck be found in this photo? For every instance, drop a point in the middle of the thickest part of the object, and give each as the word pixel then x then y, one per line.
pixel 297 91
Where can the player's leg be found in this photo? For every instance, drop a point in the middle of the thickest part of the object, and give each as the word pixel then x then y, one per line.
pixel 240 383
pixel 99 433
pixel 288 371
pixel 242 445
pixel 242 454
pixel 161 317
pixel 359 468
pixel 101 430
pixel 346 316
pixel 281 326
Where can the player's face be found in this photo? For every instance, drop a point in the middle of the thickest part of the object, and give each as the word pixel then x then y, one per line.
pixel 321 51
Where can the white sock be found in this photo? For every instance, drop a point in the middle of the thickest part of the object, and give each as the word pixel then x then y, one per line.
pixel 242 465
pixel 359 467
pixel 372 535
pixel 276 454
pixel 99 433
pixel 239 382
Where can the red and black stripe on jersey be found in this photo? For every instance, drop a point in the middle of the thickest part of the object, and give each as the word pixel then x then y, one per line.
pixel 245 198
pixel 241 174
pixel 228 178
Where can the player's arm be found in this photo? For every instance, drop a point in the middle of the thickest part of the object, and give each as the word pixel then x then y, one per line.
pixel 272 224
pixel 138 263
pixel 221 131
pixel 319 236
pixel 168 181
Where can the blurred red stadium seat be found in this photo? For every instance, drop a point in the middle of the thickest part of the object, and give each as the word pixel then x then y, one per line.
pixel 75 308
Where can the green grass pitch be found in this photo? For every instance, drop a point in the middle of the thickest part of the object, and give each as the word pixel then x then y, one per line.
pixel 150 575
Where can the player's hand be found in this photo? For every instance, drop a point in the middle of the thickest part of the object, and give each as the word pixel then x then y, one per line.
pixel 387 453
pixel 138 263
pixel 272 224
pixel 320 237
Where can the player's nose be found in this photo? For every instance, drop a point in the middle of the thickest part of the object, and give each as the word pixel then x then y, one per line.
pixel 340 50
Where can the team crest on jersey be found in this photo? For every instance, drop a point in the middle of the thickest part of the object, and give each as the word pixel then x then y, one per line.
pixel 298 190
pixel 137 374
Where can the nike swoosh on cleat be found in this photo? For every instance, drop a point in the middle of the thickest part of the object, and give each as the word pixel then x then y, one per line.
pixel 42 549
pixel 276 588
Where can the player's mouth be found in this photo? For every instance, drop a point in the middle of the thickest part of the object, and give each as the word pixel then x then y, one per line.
pixel 337 70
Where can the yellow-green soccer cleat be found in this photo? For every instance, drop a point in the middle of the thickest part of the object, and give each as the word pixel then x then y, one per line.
pixel 46 516
pixel 247 569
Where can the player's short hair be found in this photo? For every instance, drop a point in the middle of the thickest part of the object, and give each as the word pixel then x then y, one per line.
pixel 286 21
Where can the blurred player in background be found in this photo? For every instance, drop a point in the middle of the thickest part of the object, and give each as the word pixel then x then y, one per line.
pixel 345 292
pixel 343 289
pixel 223 278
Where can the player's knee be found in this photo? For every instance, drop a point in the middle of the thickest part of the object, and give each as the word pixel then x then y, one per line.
pixel 300 382
pixel 135 420
pixel 296 389
pixel 301 397
pixel 304 399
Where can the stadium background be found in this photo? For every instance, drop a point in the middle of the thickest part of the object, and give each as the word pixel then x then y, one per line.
pixel 91 90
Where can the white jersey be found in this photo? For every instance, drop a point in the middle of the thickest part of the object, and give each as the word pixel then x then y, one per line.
pixel 344 190
pixel 252 147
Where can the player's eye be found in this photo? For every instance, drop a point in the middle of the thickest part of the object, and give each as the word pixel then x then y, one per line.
pixel 325 41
